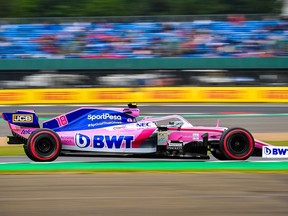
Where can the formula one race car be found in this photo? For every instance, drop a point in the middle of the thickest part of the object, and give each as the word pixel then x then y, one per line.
pixel 117 130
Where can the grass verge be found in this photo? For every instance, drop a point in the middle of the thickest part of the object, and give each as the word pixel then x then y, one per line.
pixel 144 166
pixel 12 150
pixel 17 150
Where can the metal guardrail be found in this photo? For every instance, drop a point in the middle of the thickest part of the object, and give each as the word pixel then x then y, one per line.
pixel 123 19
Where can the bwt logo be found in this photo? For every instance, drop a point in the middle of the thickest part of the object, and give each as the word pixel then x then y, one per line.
pixel 22 118
pixel 82 141
pixel 275 151
pixel 100 141
pixel 103 117
pixel 279 151
pixel 267 151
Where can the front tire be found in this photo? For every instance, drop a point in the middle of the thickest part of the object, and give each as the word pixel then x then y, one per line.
pixel 236 144
pixel 43 145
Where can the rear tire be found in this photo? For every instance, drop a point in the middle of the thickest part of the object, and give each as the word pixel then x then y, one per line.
pixel 43 145
pixel 236 144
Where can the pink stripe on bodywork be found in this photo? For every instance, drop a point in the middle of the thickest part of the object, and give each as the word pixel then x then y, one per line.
pixel 144 135
pixel 198 129
pixel 67 138
pixel 260 144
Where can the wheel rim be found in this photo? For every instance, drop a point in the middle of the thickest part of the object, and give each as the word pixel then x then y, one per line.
pixel 44 147
pixel 238 144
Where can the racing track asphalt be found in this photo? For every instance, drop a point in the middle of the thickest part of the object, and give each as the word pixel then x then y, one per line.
pixel 109 158
pixel 165 108
pixel 130 194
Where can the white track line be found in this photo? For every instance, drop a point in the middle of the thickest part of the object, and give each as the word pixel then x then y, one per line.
pixel 59 162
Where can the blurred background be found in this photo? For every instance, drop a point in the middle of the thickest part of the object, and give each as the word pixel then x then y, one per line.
pixel 148 51
pixel 134 44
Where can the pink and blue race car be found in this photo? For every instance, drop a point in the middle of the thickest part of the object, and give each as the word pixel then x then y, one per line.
pixel 117 131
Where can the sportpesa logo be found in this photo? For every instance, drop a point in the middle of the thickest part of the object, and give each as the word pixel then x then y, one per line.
pixel 104 116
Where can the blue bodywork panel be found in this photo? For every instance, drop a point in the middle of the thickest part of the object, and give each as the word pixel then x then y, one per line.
pixel 87 119
pixel 22 118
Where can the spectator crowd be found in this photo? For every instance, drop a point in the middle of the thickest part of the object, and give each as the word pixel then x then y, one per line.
pixel 201 38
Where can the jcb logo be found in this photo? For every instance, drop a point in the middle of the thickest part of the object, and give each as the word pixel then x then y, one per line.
pixel 22 118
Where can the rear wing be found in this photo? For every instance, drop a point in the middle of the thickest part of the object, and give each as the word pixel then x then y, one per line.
pixel 22 122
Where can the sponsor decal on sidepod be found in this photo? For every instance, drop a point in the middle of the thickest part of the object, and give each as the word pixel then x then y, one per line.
pixel 100 141
pixel 275 152
pixel 103 117
pixel 103 123
pixel 144 124
pixel 26 131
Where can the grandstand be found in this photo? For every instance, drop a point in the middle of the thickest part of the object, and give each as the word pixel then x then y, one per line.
pixel 235 37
